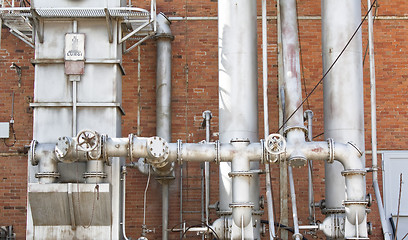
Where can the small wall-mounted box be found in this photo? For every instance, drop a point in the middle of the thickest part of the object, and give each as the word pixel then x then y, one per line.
pixel 4 129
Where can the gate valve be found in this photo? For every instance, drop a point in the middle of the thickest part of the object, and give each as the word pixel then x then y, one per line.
pixel 275 144
pixel 87 140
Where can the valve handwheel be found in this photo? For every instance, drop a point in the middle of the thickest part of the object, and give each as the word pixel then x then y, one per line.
pixel 87 140
pixel 275 144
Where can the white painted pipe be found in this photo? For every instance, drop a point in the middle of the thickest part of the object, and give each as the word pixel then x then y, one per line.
pixel 124 202
pixel 343 87
pixel 238 87
pixel 207 117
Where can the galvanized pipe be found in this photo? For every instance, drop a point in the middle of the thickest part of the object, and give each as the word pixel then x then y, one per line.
pixel 386 231
pixel 207 118
pixel 291 64
pixel 343 87
pixel 296 234
pixel 163 103
pixel 268 186
pixel 47 163
pixel 309 117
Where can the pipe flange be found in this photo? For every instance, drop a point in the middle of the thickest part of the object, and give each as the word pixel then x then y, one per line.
pixel 330 142
pixel 357 148
pixel 290 128
pixel 241 204
pixel 238 140
pixel 257 212
pixel 48 175
pixel 224 212
pixel 297 235
pixel 297 161
pixel 94 174
pixel 179 150
pixel 275 144
pixel 62 147
pixel 31 153
pixel 241 174
pixel 164 35
pixel 218 151
pixel 158 151
pixel 326 211
pixel 351 202
pixel 104 151
pixel 354 172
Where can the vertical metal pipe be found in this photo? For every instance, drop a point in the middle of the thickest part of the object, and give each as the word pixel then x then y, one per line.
pixel 343 87
pixel 124 172
pixel 296 234
pixel 207 117
pixel 238 88
pixel 309 117
pixel 269 197
pixel 283 165
pixel 291 63
pixel 384 224
pixel 163 101
pixel 74 91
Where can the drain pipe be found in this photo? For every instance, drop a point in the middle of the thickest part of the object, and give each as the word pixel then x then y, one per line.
pixel 163 107
pixel 386 231
pixel 238 109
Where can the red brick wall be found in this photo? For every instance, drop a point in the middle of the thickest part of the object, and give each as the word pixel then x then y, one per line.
pixel 195 90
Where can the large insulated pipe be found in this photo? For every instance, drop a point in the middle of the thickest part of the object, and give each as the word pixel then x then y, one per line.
pixel 238 88
pixel 163 103
pixel 343 88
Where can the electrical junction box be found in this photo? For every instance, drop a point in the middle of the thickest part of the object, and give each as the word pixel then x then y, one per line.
pixel 4 129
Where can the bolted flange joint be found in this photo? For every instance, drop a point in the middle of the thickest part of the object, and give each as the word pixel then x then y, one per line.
pixel 158 151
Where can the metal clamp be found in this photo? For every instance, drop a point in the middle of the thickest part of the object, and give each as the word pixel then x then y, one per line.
pixel 241 174
pixel 179 154
pixel 330 142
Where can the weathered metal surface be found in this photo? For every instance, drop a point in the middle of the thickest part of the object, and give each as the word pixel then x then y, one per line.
pixel 50 204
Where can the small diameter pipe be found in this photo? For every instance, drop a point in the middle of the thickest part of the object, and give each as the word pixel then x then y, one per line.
pixel 384 224
pixel 207 116
pixel 296 235
pixel 124 172
pixel 312 217
pixel 269 197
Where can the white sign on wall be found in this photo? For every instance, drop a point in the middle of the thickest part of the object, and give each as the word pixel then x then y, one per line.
pixel 74 47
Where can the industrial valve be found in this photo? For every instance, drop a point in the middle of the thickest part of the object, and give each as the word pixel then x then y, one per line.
pixel 88 140
pixel 275 144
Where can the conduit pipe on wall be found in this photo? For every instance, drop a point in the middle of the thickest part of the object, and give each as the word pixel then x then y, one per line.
pixel 207 118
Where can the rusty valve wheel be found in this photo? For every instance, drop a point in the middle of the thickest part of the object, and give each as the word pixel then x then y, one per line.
pixel 275 144
pixel 87 140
